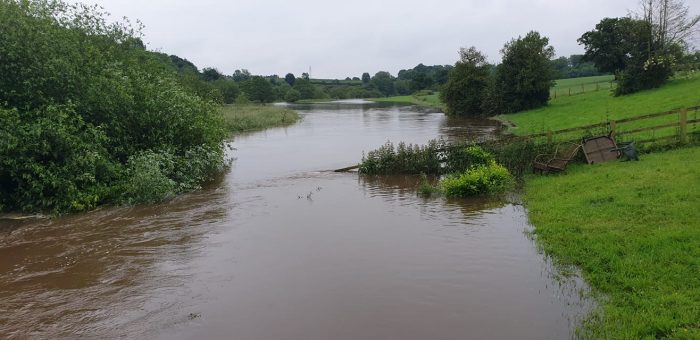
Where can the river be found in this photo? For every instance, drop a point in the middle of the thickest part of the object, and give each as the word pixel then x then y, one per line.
pixel 281 248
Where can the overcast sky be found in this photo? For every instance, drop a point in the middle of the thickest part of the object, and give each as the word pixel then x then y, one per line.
pixel 345 38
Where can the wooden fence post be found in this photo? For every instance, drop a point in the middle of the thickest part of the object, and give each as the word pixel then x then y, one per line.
pixel 569 92
pixel 683 120
pixel 550 136
pixel 613 128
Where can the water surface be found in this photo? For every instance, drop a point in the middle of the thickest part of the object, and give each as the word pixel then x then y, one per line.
pixel 279 248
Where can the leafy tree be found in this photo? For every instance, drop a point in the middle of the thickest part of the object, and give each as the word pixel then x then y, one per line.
pixel 366 78
pixel 211 74
pixel 82 104
pixel 229 90
pixel 292 96
pixel 305 76
pixel 468 81
pixel 611 44
pixel 290 79
pixel 241 75
pixel 525 76
pixel 305 88
pixel 258 89
pixel 384 83
pixel 355 78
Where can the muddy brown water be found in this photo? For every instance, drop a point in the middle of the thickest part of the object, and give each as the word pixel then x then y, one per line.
pixel 280 249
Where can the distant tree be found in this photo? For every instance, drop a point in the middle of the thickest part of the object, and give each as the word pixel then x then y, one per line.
pixel 182 64
pixel 229 90
pixel 366 78
pixel 211 74
pixel 384 83
pixel 305 76
pixel 241 75
pixel 292 96
pixel 347 79
pixel 468 81
pixel 610 46
pixel 305 88
pixel 525 76
pixel 402 87
pixel 355 78
pixel 670 22
pixel 258 89
pixel 290 79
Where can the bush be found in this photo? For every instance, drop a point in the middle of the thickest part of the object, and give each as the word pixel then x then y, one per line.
pixel 462 157
pixel 479 180
pixel 83 107
pixel 404 159
pixel 292 96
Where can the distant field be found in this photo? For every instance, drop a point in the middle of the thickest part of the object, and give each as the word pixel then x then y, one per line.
pixel 598 107
pixel 572 82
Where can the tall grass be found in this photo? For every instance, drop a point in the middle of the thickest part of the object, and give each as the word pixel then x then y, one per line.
pixel 250 117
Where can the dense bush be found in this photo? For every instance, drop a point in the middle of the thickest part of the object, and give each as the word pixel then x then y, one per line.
pixel 404 159
pixel 88 116
pixel 487 179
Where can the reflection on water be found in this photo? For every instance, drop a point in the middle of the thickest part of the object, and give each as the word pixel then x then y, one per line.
pixel 279 249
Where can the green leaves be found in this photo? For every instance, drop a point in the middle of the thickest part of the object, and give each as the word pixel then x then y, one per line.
pixel 89 116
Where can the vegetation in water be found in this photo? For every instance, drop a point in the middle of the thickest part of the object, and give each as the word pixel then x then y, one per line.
pixel 251 117
pixel 632 228
pixel 483 179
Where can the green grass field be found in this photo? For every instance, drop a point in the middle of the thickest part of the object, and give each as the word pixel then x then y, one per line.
pixel 250 117
pixel 633 228
pixel 426 100
pixel 575 82
pixel 600 106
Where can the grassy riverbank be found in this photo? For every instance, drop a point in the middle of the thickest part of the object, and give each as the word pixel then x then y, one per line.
pixel 251 117
pixel 426 100
pixel 633 228
pixel 599 106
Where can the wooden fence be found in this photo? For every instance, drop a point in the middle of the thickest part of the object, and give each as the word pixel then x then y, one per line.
pixel 581 88
pixel 670 126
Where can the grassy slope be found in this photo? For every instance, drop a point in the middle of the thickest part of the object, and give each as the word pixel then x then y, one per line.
pixel 634 230
pixel 251 117
pixel 571 82
pixel 597 107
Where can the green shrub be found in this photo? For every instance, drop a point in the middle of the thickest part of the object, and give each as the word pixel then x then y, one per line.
pixel 404 159
pixel 462 157
pixel 82 106
pixel 478 180
pixel 147 178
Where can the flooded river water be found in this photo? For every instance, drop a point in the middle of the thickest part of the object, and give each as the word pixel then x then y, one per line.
pixel 279 248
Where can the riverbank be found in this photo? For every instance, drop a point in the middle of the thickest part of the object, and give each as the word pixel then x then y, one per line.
pixel 252 117
pixel 633 229
pixel 431 100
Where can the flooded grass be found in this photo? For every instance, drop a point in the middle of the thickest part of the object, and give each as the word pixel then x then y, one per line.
pixel 632 228
pixel 426 99
pixel 251 117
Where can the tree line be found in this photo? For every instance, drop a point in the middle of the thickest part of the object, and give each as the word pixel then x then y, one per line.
pixel 641 50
